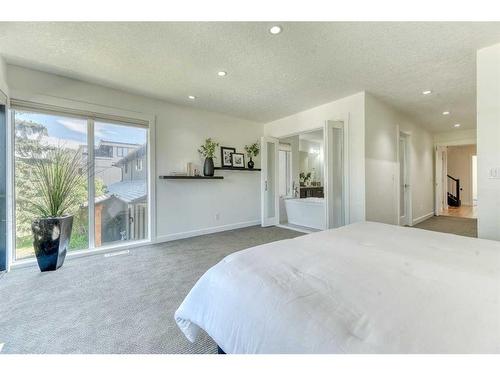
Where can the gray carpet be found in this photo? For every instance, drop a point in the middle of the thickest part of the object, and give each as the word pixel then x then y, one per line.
pixel 121 304
pixel 449 224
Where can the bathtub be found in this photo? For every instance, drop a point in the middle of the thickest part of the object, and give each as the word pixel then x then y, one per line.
pixel 306 212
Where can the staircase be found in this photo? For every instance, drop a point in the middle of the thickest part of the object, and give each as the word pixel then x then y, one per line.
pixel 454 192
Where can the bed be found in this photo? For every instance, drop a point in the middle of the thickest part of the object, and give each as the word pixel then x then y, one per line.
pixel 363 288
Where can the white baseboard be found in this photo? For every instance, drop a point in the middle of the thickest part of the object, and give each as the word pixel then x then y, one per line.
pixel 131 245
pixel 284 226
pixel 200 232
pixel 422 218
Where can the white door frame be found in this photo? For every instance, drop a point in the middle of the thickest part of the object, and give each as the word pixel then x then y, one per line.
pixel 440 180
pixel 343 123
pixel 472 179
pixel 265 220
pixel 408 219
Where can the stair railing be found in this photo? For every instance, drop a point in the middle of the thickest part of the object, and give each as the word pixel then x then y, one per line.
pixel 455 190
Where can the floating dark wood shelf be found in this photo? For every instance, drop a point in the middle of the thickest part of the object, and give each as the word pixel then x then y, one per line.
pixel 236 169
pixel 191 177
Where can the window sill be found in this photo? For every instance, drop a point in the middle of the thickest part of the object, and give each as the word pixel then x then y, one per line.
pixel 83 253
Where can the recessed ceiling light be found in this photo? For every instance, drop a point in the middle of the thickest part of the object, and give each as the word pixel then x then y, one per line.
pixel 456 125
pixel 192 97
pixel 427 92
pixel 446 113
pixel 275 30
pixel 221 73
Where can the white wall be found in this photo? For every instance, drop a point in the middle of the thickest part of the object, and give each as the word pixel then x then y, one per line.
pixel 460 166
pixel 351 108
pixel 455 137
pixel 488 141
pixel 383 125
pixel 183 207
pixel 422 169
pixel 3 77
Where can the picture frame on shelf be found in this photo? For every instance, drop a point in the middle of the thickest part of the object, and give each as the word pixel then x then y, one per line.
pixel 225 156
pixel 238 160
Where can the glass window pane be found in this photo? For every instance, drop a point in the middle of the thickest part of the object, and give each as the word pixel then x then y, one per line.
pixel 37 137
pixel 121 184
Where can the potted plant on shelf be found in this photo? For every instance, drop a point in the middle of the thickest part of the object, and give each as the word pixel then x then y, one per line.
pixel 208 152
pixel 304 178
pixel 252 151
pixel 55 175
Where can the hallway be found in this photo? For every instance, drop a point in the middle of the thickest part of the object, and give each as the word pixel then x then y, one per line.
pixel 469 212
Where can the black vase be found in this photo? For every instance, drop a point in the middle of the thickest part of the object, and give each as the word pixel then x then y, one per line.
pixel 51 241
pixel 250 164
pixel 208 167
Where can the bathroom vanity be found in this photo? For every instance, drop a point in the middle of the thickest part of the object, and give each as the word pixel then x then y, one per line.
pixel 311 192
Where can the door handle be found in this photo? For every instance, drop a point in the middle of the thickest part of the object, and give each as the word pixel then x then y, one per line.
pixel 265 185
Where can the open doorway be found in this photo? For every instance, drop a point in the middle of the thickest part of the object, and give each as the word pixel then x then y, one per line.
pixel 456 191
pixel 461 181
pixel 304 179
pixel 301 171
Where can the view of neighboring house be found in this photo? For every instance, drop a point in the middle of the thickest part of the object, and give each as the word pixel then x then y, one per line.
pixel 106 154
pixel 121 213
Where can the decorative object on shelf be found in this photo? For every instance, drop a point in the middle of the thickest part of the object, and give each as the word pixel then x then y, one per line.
pixel 304 178
pixel 225 156
pixel 238 160
pixel 208 152
pixel 208 167
pixel 252 151
pixel 189 169
pixel 54 180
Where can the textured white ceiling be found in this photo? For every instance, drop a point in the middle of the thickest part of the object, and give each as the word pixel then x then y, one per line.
pixel 269 76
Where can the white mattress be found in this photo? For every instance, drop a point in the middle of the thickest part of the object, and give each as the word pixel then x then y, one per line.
pixel 363 288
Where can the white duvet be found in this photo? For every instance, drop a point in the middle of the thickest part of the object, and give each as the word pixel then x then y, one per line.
pixel 363 288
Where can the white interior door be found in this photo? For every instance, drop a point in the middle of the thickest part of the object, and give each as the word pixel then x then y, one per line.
pixel 269 181
pixel 441 180
pixel 404 182
pixel 336 177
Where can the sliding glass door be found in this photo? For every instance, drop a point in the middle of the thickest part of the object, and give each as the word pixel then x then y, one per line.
pixel 112 204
